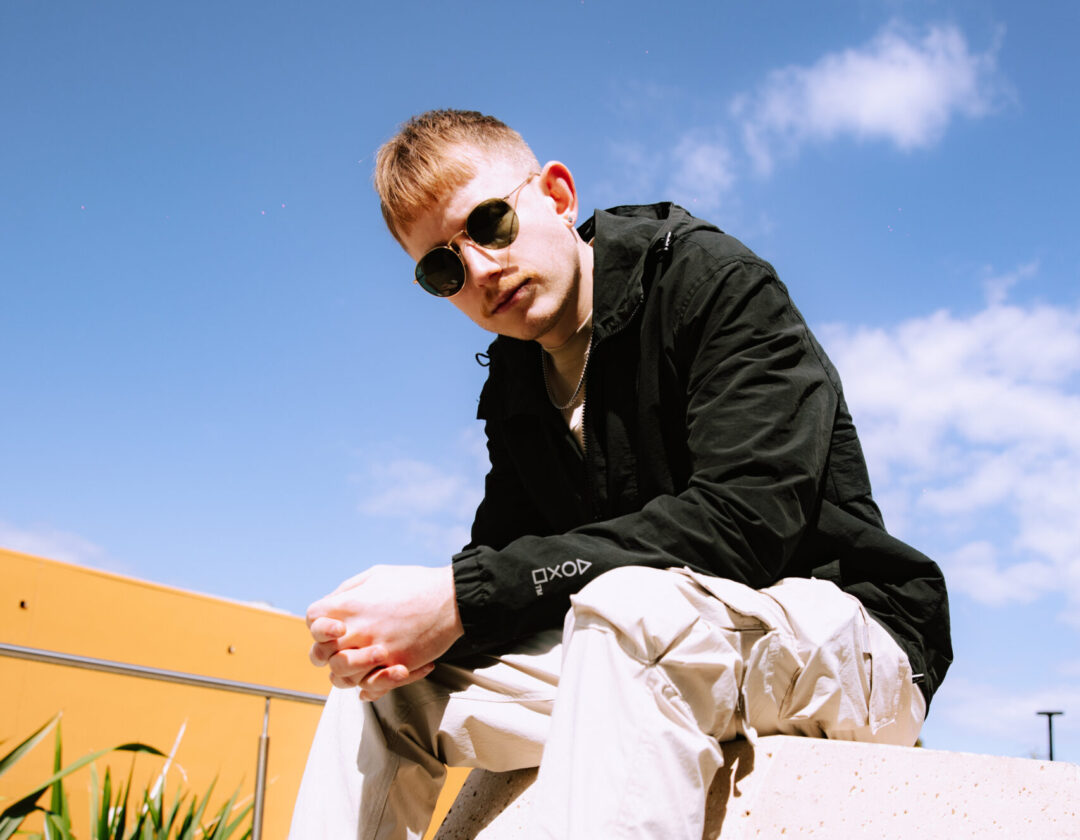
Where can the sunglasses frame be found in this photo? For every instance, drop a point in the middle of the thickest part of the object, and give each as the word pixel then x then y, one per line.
pixel 420 276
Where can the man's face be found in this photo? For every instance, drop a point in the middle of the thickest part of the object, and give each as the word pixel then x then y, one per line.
pixel 534 288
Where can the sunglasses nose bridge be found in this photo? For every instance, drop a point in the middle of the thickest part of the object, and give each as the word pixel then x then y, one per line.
pixel 480 263
pixel 461 233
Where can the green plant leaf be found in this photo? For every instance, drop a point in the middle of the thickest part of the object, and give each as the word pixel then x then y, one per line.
pixel 136 747
pixel 168 823
pixel 122 807
pixel 58 822
pixel 152 808
pixel 9 825
pixel 95 793
pixel 9 760
pixel 193 821
pixel 158 816
pixel 213 831
pixel 20 809
pixel 223 828
pixel 57 798
pixel 57 827
pixel 28 802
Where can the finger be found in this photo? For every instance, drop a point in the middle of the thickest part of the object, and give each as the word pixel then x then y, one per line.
pixel 349 583
pixel 326 629
pixel 417 675
pixel 393 676
pixel 357 662
pixel 387 679
pixel 342 682
pixel 377 683
pixel 317 610
pixel 320 653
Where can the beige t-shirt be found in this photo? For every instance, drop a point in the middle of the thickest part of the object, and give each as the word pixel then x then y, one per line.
pixel 564 366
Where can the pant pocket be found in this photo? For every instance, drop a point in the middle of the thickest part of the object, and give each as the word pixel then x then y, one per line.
pixel 833 686
pixel 822 666
pixel 773 670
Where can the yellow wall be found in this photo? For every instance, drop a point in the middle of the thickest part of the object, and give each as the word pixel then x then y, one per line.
pixel 73 609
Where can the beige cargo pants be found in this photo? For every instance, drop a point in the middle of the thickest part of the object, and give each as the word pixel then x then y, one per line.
pixel 623 711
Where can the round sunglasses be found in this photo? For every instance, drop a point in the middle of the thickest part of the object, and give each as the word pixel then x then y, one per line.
pixel 490 224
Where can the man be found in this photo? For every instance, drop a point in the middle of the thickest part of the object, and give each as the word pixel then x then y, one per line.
pixel 677 543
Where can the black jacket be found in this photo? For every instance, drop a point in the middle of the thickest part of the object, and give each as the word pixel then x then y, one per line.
pixel 716 437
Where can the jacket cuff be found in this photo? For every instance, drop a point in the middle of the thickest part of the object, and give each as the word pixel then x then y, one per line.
pixel 473 588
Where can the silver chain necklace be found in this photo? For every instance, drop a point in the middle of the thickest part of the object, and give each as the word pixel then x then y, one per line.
pixel 581 379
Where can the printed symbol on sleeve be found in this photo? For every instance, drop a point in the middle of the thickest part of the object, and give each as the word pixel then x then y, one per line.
pixel 570 568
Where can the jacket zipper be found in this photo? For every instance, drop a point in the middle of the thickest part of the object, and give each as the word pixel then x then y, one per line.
pixel 663 251
pixel 590 484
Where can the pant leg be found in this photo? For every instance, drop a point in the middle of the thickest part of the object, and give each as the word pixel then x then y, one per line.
pixel 649 687
pixel 661 665
pixel 329 794
pixel 375 769
pixel 658 667
pixel 823 667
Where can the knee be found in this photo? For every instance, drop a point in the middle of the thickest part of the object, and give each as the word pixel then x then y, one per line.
pixel 622 584
pixel 647 609
pixel 407 710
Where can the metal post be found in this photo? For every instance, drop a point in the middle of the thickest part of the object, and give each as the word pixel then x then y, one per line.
pixel 260 776
pixel 1050 729
pixel 52 657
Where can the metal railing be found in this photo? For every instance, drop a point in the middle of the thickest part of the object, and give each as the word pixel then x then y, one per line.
pixel 108 666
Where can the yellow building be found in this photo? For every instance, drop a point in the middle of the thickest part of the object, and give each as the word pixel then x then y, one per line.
pixel 76 610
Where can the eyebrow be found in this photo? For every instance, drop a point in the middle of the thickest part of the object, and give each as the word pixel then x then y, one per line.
pixel 465 222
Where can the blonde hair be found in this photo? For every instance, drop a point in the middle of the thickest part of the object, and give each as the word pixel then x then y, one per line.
pixel 433 154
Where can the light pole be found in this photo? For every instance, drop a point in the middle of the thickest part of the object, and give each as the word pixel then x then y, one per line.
pixel 1050 729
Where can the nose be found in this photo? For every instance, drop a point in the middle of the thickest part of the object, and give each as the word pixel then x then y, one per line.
pixel 481 266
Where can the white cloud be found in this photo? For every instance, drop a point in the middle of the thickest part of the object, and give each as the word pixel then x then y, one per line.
pixel 997 286
pixel 898 88
pixel 1005 717
pixel 1070 668
pixel 434 503
pixel 52 544
pixel 970 429
pixel 404 486
pixel 976 570
pixel 696 171
pixel 635 175
pixel 704 172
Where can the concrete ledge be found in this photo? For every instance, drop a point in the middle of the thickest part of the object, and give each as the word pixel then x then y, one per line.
pixel 806 787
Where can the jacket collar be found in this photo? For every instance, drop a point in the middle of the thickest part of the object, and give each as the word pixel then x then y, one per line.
pixel 622 238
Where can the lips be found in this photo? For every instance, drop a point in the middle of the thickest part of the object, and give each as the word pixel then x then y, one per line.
pixel 503 301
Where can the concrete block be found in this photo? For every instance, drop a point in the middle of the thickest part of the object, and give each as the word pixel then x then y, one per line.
pixel 807 787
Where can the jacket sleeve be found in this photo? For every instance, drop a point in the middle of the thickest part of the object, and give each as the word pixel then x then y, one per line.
pixel 506 511
pixel 759 406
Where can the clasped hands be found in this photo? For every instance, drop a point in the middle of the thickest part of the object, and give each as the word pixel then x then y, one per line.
pixel 385 627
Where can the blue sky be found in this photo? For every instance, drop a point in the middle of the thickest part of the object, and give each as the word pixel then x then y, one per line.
pixel 215 372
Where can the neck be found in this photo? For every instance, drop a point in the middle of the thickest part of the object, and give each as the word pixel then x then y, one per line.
pixel 584 329
pixel 580 307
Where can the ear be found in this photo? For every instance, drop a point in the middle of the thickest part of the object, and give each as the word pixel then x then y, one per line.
pixel 557 185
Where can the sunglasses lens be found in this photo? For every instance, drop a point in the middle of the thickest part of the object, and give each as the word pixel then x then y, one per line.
pixel 440 272
pixel 492 224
